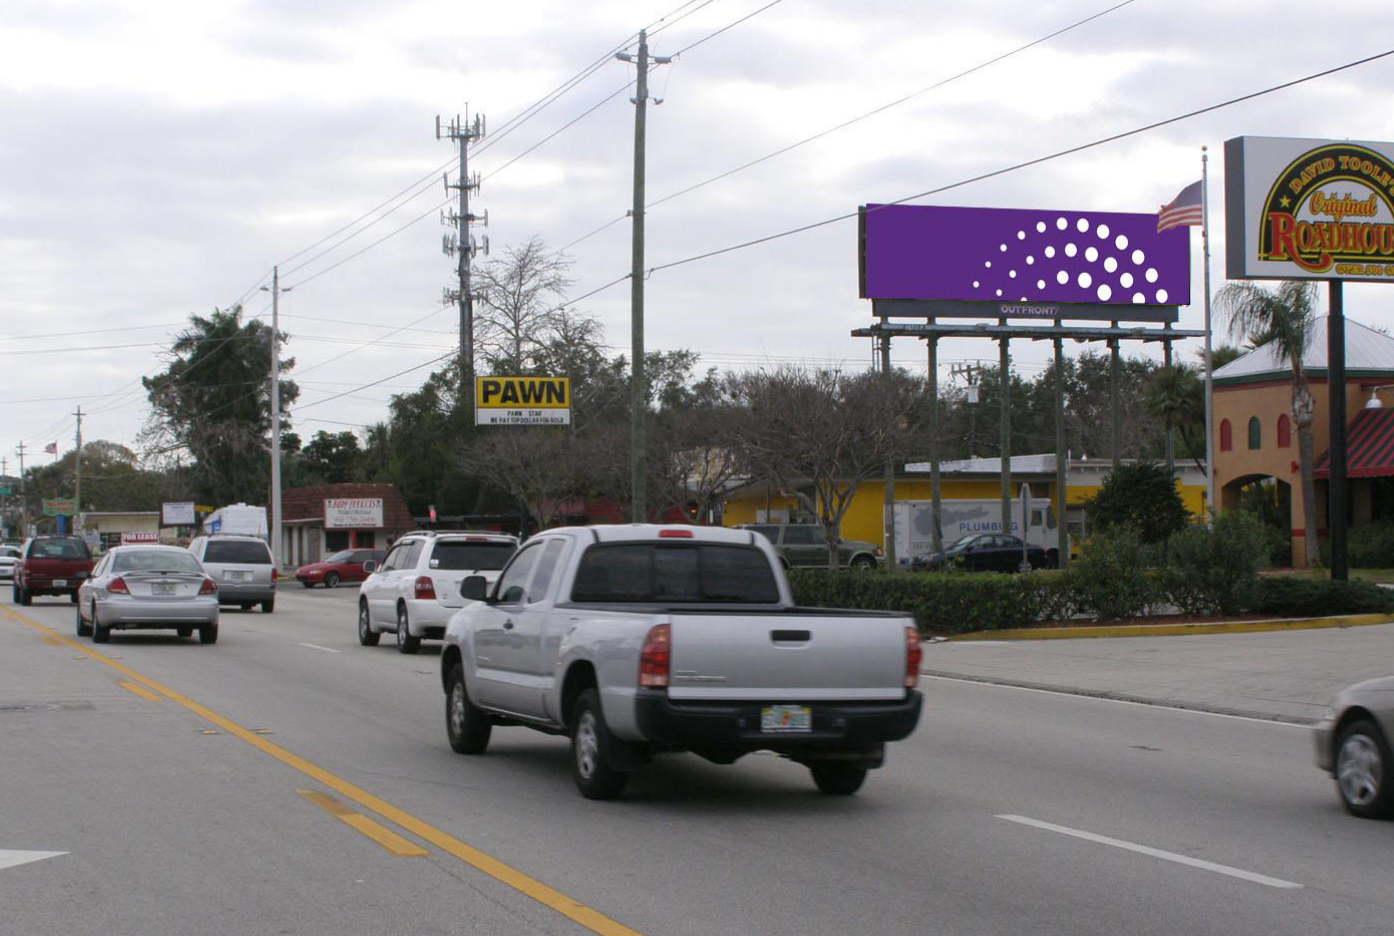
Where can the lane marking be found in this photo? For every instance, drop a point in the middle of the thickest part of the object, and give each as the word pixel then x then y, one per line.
pixel 12 858
pixel 139 690
pixel 1155 853
pixel 1097 698
pixel 389 840
pixel 318 647
pixel 572 909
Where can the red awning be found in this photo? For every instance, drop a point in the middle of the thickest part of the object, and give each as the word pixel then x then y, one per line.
pixel 1369 446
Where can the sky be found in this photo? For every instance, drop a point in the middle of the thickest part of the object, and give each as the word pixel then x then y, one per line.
pixel 160 157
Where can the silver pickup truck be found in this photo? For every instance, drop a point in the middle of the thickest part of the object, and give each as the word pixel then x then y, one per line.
pixel 638 640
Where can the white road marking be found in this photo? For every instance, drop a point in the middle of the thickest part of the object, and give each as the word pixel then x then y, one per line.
pixel 1155 853
pixel 318 647
pixel 1094 698
pixel 10 858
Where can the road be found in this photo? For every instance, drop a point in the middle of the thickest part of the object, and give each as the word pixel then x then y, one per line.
pixel 288 781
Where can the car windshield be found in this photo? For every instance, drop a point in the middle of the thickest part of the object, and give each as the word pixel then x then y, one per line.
pixel 963 541
pixel 342 556
pixel 244 552
pixel 154 560
pixel 651 572
pixel 59 549
pixel 478 556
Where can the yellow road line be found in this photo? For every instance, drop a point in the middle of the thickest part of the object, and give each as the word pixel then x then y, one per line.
pixel 389 840
pixel 572 909
pixel 141 691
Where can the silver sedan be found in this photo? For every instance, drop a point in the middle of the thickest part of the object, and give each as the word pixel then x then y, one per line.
pixel 148 587
pixel 1353 746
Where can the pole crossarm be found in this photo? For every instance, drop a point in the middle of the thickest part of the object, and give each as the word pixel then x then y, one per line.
pixel 1028 332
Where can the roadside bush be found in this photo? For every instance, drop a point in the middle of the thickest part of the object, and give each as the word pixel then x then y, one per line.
pixel 1294 596
pixel 1141 497
pixel 1112 578
pixel 1058 594
pixel 1216 568
pixel 941 603
pixel 1372 546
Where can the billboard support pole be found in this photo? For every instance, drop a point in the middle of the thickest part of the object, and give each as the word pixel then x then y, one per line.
pixel 1336 387
pixel 1116 411
pixel 935 508
pixel 1005 382
pixel 888 484
pixel 1062 457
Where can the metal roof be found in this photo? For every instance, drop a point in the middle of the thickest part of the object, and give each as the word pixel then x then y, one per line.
pixel 1368 353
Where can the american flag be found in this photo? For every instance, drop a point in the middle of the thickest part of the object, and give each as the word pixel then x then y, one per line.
pixel 51 448
pixel 1184 209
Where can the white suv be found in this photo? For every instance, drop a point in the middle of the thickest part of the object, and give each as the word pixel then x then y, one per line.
pixel 417 588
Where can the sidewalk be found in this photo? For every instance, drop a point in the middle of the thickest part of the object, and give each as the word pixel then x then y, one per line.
pixel 1287 676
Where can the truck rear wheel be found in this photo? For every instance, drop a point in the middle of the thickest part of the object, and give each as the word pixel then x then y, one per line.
pixel 838 779
pixel 591 742
pixel 467 726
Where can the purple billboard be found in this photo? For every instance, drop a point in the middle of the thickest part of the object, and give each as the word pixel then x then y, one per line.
pixel 1022 255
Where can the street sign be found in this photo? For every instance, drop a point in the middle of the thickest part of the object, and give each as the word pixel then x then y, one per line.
pixel 522 401
pixel 177 513
pixel 59 507
pixel 5 492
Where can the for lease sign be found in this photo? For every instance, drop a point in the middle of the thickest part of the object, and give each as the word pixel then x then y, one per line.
pixel 522 401
pixel 352 513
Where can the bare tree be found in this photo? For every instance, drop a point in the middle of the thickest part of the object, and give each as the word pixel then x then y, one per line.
pixel 519 296
pixel 692 458
pixel 535 466
pixel 820 433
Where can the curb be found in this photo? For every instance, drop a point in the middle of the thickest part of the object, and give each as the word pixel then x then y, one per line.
pixel 1178 630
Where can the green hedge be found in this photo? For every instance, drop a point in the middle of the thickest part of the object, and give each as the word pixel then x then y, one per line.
pixel 1294 596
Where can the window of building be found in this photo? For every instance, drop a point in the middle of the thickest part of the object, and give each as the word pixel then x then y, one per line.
pixel 1255 433
pixel 1284 431
pixel 1226 436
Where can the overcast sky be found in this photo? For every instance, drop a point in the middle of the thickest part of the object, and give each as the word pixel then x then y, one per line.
pixel 159 157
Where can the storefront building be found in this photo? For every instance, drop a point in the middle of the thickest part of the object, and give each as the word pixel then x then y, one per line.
pixel 326 518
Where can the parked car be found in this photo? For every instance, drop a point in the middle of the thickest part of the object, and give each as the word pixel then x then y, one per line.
pixel 1352 744
pixel 242 568
pixel 805 545
pixel 148 587
pixel 984 552
pixel 51 565
pixel 9 557
pixel 635 640
pixel 417 587
pixel 344 566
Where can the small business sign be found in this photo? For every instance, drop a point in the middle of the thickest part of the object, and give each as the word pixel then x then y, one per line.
pixel 352 513
pixel 5 491
pixel 177 513
pixel 139 538
pixel 1309 209
pixel 59 507
pixel 522 401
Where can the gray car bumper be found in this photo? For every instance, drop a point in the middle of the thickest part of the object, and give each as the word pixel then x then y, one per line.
pixel 250 593
pixel 152 613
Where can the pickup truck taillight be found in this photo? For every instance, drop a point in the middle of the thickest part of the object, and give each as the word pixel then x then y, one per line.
pixel 117 586
pixel 425 588
pixel 656 657
pixel 208 587
pixel 274 574
pixel 913 653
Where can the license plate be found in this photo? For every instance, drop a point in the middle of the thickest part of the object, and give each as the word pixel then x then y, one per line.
pixel 786 719
pixel 60 583
pixel 236 576
pixel 164 588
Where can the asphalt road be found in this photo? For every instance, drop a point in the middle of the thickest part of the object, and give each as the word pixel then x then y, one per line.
pixel 288 781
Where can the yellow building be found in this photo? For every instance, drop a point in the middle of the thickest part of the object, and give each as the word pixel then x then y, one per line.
pixel 1256 445
pixel 971 479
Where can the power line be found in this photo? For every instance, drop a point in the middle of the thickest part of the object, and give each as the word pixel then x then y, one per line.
pixel 689 48
pixel 1028 163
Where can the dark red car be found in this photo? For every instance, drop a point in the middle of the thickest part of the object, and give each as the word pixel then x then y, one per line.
pixel 345 566
pixel 51 565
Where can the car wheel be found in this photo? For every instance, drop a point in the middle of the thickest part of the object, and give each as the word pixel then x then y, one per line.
pixel 590 748
pixel 838 779
pixel 308 584
pixel 23 598
pixel 1362 771
pixel 83 628
pixel 406 643
pixel 366 635
pixel 72 596
pixel 100 634
pixel 863 563
pixel 247 605
pixel 184 631
pixel 268 606
pixel 467 726
pixel 208 633
pixel 331 580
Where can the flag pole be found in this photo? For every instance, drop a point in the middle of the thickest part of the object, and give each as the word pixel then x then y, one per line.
pixel 1209 383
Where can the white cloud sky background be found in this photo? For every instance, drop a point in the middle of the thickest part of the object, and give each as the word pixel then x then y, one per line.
pixel 157 158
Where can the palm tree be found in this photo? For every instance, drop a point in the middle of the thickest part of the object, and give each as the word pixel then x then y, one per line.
pixel 1286 318
pixel 1176 395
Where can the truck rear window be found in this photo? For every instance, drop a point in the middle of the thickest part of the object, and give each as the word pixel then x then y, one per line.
pixel 240 552
pixel 70 549
pixel 479 557
pixel 663 573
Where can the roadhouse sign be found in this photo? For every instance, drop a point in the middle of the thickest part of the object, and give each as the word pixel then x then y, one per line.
pixel 522 401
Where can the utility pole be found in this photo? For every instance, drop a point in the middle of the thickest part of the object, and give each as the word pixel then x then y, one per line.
pixel 460 242
pixel 275 377
pixel 23 496
pixel 77 477
pixel 970 372
pixel 638 385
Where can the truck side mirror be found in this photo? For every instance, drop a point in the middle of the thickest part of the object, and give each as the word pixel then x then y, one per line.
pixel 370 566
pixel 475 588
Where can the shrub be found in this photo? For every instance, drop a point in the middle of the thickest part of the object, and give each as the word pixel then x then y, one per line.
pixel 1293 596
pixel 1111 576
pixel 1372 546
pixel 1058 594
pixel 1141 497
pixel 941 603
pixel 1216 568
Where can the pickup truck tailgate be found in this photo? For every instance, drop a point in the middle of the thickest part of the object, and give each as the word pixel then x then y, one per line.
pixel 789 655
